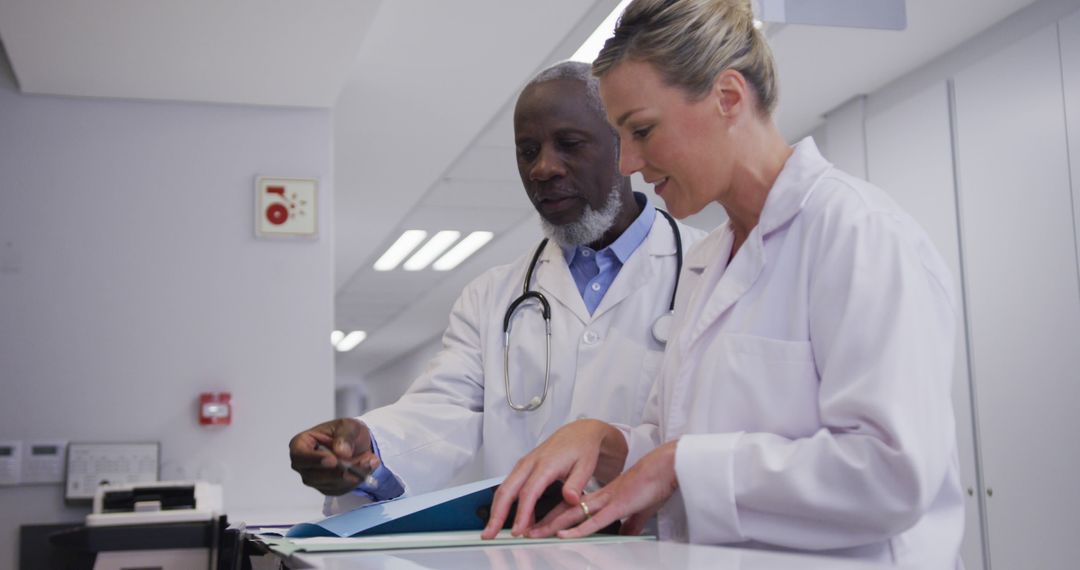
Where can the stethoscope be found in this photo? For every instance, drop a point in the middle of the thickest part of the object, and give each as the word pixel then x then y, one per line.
pixel 660 329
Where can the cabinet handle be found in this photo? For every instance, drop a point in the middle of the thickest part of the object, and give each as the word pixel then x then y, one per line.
pixel 989 492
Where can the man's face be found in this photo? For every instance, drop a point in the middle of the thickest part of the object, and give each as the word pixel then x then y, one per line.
pixel 565 151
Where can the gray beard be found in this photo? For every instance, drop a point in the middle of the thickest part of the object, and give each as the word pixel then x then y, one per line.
pixel 590 228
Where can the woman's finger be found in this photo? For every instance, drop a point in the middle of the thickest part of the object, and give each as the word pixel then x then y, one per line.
pixel 600 518
pixel 560 517
pixel 505 496
pixel 530 492
pixel 567 517
pixel 574 485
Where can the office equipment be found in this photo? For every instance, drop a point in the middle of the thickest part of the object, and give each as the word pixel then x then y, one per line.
pixel 660 329
pixel 188 545
pixel 155 503
pixel 92 464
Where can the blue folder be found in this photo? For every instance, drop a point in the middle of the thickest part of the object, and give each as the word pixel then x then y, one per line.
pixel 464 507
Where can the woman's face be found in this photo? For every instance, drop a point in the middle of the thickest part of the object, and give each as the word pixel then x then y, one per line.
pixel 677 145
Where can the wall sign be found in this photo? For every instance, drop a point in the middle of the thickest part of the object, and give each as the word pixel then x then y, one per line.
pixel 286 207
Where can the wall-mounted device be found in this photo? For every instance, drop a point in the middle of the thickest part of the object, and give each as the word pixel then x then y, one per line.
pixel 91 465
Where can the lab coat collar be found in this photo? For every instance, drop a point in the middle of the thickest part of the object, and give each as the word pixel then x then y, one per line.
pixel 787 196
pixel 553 273
pixel 724 285
pixel 639 269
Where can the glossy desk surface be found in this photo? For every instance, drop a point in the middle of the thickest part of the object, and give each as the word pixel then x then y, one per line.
pixel 646 554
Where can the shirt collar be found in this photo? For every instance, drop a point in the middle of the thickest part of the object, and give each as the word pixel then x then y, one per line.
pixel 625 245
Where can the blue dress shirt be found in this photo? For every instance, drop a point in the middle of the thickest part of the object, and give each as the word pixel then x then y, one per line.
pixel 594 271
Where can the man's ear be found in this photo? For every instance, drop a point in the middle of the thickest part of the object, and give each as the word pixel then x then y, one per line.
pixel 731 93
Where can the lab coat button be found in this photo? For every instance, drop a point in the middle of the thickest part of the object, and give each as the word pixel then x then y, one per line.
pixel 583 416
pixel 591 337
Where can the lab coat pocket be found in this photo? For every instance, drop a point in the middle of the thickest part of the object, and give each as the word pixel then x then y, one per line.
pixel 767 384
pixel 650 372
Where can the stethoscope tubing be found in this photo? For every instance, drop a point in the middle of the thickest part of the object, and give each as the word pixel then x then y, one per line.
pixel 526 294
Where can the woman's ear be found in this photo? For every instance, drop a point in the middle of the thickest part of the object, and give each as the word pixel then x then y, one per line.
pixel 730 92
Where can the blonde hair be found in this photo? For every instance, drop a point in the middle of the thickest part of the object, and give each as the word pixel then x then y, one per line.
pixel 690 42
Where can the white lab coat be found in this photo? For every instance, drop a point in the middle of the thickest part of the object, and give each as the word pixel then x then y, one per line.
pixel 809 381
pixel 602 366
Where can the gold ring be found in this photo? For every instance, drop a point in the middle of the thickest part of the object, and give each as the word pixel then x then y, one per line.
pixel 585 509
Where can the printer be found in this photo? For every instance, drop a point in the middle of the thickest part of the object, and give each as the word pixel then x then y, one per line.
pixel 168 525
pixel 155 503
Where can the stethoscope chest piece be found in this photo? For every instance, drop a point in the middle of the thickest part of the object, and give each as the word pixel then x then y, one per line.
pixel 661 329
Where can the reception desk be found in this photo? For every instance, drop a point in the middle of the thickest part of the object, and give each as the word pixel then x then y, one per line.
pixel 595 556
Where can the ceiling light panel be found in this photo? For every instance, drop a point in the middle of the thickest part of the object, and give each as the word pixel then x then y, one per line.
pixel 431 250
pixel 462 251
pixel 400 250
pixel 350 341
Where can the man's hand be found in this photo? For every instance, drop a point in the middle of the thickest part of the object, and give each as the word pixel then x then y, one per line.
pixel 349 441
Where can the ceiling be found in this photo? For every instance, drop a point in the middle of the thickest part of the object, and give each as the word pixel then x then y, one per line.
pixel 421 92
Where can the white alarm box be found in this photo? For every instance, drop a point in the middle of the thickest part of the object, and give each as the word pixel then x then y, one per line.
pixel 156 503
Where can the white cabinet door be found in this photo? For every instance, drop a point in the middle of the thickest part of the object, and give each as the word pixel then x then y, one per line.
pixel 1018 244
pixel 909 155
pixel 1069 29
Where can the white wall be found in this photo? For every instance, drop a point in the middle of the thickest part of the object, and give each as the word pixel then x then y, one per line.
pixel 974 146
pixel 388 383
pixel 132 281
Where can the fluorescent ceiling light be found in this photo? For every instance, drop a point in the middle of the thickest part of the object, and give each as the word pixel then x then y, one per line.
pixel 400 250
pixel 462 251
pixel 592 46
pixel 432 249
pixel 335 337
pixel 350 341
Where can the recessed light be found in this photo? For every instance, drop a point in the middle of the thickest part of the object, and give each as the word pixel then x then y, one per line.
pixel 430 250
pixel 462 251
pixel 400 250
pixel 350 341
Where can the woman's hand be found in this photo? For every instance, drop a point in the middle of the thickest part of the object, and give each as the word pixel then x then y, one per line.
pixel 635 496
pixel 572 454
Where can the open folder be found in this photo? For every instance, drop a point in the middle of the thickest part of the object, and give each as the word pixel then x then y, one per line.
pixel 451 517
pixel 464 507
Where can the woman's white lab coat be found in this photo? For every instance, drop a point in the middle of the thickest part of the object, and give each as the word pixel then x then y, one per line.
pixel 602 365
pixel 809 381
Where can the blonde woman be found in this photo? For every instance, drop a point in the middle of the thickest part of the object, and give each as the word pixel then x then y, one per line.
pixel 804 399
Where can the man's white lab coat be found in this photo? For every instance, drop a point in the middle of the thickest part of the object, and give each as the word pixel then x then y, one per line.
pixel 602 366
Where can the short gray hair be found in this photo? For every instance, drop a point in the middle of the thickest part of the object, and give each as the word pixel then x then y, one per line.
pixel 577 71
pixel 691 42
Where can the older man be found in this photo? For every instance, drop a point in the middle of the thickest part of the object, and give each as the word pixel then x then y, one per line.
pixel 607 271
